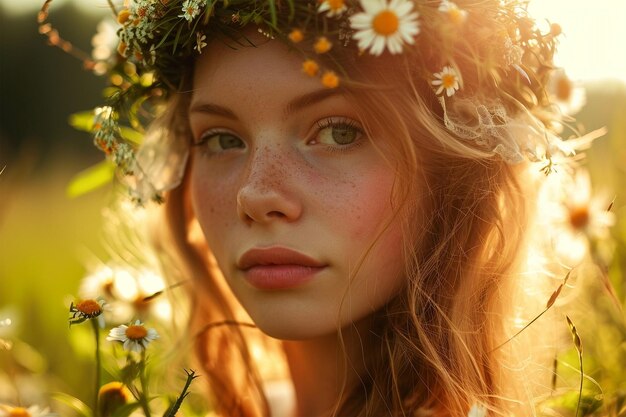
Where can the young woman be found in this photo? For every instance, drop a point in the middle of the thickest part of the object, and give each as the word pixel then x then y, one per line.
pixel 350 188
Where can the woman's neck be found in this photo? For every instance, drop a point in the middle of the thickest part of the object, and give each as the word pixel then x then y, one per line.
pixel 322 369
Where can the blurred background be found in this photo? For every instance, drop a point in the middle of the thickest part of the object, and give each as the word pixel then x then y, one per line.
pixel 47 239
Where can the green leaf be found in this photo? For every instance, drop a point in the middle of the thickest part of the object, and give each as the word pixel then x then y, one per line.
pixel 90 179
pixel 272 6
pixel 73 403
pixel 82 121
pixel 131 135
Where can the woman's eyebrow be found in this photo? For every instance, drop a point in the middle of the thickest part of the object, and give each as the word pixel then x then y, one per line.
pixel 310 98
pixel 293 106
pixel 212 109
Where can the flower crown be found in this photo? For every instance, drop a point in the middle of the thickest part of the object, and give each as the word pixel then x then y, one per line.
pixel 468 49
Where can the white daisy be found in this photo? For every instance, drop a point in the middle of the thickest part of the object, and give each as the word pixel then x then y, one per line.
pixel 447 80
pixel 332 7
pixel 456 14
pixel 191 9
pixel 32 411
pixel 129 293
pixel 580 219
pixel 135 337
pixel 384 25
pixel 98 284
pixel 568 95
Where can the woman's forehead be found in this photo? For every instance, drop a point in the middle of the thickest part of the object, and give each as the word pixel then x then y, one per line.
pixel 269 67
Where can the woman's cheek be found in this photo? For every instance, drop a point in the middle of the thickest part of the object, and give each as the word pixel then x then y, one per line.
pixel 212 199
pixel 366 205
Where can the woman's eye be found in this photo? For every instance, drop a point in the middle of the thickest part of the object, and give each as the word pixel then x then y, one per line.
pixel 338 133
pixel 219 142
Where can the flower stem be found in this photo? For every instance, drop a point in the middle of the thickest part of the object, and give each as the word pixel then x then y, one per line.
pixel 96 333
pixel 144 385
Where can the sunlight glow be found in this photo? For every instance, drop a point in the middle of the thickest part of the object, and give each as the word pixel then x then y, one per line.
pixel 594 35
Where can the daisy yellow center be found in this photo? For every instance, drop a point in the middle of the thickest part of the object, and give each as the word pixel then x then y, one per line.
pixel 336 4
pixel 108 288
pixel 456 15
pixel 136 332
pixel 89 307
pixel 579 217
pixel 448 80
pixel 114 393
pixel 563 89
pixel 386 23
pixel 19 412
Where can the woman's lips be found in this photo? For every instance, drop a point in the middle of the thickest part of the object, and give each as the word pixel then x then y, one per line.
pixel 278 268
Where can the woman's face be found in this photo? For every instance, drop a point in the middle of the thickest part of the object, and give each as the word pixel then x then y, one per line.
pixel 290 193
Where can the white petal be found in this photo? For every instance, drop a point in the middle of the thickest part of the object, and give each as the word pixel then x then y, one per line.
pixel 366 41
pixel 364 34
pixel 403 8
pixel 117 333
pixel 394 44
pixel 365 38
pixel 361 21
pixel 378 46
pixel 373 6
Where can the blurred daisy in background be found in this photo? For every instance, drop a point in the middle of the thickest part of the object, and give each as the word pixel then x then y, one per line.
pixel 130 293
pixel 567 94
pixel 32 411
pixel 581 219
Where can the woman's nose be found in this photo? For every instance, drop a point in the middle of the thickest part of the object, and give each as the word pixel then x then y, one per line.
pixel 267 193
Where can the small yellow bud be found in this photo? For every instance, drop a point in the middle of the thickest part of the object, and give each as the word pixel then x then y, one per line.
pixel 330 80
pixel 296 36
pixel 122 48
pixel 555 29
pixel 310 67
pixel 322 45
pixel 123 16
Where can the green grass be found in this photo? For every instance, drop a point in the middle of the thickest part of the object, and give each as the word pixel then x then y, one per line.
pixel 45 239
